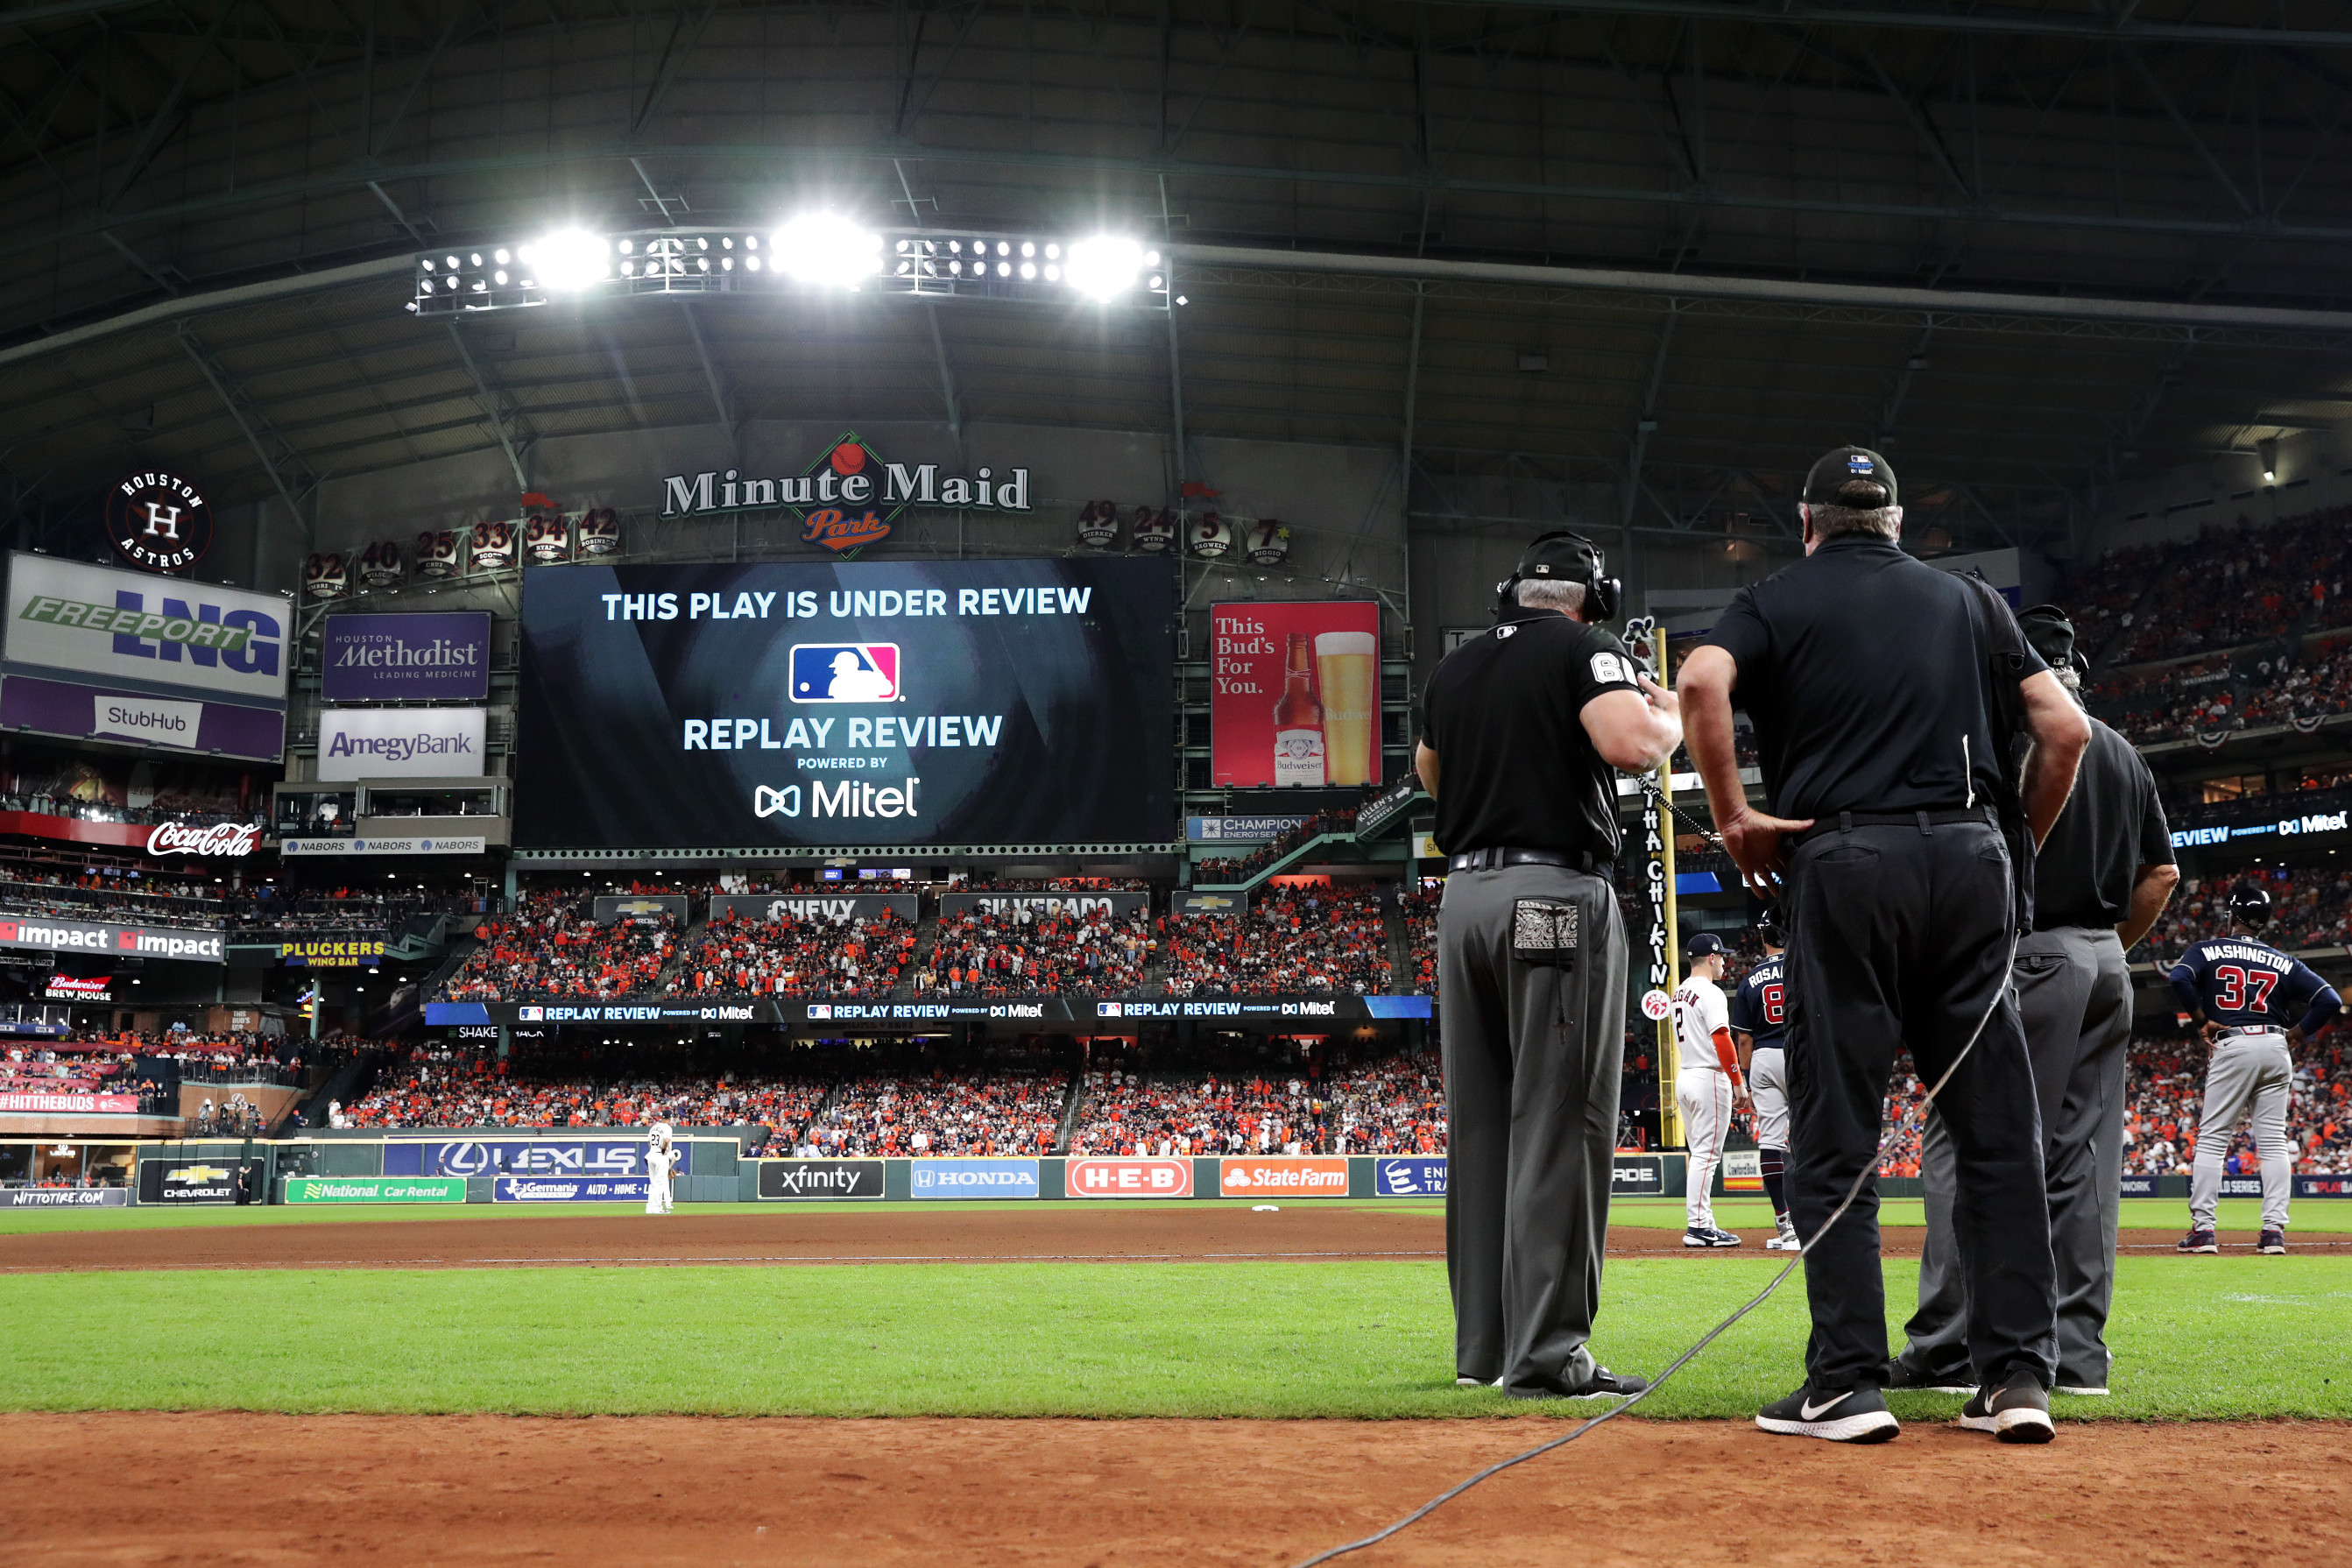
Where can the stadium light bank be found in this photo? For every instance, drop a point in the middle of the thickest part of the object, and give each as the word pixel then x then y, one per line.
pixel 821 252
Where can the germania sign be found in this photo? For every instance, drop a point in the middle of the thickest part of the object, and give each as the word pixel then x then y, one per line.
pixel 849 498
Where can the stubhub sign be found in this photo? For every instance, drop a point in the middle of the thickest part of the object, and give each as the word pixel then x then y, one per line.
pixel 972 1178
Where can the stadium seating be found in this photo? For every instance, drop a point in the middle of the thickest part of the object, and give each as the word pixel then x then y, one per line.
pixel 434 1085
pixel 550 947
pixel 1225 871
pixel 792 956
pixel 1008 1102
pixel 1292 941
pixel 1226 1101
pixel 1022 950
pixel 1392 1104
pixel 1419 910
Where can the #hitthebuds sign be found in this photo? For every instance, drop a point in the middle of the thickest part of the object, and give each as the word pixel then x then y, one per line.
pixel 849 497
pixel 1294 693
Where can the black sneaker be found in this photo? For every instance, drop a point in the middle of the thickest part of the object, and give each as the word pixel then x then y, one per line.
pixel 2015 1411
pixel 1854 1415
pixel 1602 1384
pixel 1901 1375
pixel 2272 1244
pixel 1697 1236
pixel 2198 1241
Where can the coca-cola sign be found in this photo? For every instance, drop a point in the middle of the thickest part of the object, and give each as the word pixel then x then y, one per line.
pixel 219 839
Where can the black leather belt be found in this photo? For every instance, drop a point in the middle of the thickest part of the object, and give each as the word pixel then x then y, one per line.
pixel 1496 859
pixel 1924 821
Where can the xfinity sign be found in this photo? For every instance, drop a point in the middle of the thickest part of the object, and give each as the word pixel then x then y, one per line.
pixel 396 742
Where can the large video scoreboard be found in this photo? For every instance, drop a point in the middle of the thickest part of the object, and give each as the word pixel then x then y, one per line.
pixel 827 703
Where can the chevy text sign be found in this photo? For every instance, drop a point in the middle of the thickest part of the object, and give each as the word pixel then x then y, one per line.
pixel 402 743
pixel 438 656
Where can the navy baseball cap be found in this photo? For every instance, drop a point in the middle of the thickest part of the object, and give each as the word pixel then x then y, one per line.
pixel 2051 634
pixel 1828 483
pixel 1705 945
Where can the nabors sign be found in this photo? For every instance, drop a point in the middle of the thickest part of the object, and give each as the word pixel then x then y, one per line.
pixel 230 839
pixel 849 498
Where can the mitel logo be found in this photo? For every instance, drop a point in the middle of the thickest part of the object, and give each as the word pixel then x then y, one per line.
pixel 849 498
pixel 845 672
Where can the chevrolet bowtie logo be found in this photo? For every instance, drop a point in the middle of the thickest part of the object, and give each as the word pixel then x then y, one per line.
pixel 766 801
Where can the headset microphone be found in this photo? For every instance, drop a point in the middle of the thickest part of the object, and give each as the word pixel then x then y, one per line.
pixel 1564 556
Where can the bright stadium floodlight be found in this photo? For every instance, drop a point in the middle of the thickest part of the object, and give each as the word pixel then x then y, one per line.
pixel 570 258
pixel 1104 267
pixel 826 250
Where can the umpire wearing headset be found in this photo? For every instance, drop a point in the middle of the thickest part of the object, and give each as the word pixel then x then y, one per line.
pixel 2102 878
pixel 1886 696
pixel 1524 728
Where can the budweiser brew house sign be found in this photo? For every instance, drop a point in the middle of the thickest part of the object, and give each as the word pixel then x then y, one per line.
pixel 229 839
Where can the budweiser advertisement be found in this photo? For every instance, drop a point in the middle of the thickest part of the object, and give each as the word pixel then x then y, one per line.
pixel 227 840
pixel 1294 693
pixel 78 988
pixel 1098 1177
pixel 69 1104
pixel 1277 1176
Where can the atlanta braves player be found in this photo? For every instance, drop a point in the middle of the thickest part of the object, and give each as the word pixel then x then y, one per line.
pixel 661 1159
pixel 2240 991
pixel 1760 1013
pixel 1708 1087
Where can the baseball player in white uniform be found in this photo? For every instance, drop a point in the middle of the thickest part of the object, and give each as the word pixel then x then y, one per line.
pixel 1760 1015
pixel 661 1159
pixel 1708 1085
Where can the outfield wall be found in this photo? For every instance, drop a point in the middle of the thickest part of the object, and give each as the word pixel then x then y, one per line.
pixel 486 1166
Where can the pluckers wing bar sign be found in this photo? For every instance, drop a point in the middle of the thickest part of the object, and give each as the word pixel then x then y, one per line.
pixel 157 520
pixel 849 497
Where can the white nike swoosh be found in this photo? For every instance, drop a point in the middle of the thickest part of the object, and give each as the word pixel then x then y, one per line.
pixel 1813 1412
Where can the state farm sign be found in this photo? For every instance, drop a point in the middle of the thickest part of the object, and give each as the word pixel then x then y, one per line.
pixel 1131 1178
pixel 230 839
pixel 1297 1176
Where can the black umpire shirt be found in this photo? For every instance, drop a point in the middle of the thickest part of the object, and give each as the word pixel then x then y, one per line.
pixel 1504 714
pixel 1868 677
pixel 2113 825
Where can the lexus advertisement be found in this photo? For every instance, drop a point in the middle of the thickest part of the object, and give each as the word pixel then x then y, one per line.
pixel 837 703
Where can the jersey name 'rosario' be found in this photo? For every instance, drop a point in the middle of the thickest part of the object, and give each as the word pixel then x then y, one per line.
pixel 1759 1007
pixel 2238 981
pixel 1699 1012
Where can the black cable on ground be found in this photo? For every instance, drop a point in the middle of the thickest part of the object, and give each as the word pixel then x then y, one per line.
pixel 1854 1191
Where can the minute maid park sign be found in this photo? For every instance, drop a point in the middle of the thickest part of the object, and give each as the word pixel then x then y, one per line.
pixel 849 498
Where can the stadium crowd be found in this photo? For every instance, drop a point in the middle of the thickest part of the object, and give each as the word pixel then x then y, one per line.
pixel 1292 941
pixel 550 947
pixel 1024 951
pixel 2311 908
pixel 1225 871
pixel 1392 1104
pixel 1009 1101
pixel 796 956
pixel 437 1085
pixel 1228 1102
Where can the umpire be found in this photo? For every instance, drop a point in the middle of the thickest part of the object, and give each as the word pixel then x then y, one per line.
pixel 1523 729
pixel 1886 696
pixel 2103 877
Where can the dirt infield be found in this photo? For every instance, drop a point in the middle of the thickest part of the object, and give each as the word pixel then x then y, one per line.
pixel 1211 1233
pixel 210 1489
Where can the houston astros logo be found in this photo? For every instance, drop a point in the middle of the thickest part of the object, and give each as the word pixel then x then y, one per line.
pixel 156 519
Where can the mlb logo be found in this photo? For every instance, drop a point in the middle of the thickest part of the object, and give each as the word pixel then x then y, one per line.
pixel 1108 1010
pixel 531 1015
pixel 820 1010
pixel 845 672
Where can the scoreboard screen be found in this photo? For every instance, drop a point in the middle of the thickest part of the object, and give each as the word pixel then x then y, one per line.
pixel 845 703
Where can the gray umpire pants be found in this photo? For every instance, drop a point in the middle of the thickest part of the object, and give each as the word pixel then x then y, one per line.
pixel 1533 1055
pixel 2073 993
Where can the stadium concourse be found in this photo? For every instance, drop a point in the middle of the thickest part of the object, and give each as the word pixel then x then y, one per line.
pixel 711 836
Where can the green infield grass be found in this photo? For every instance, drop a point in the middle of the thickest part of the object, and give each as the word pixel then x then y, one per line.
pixel 2196 1338
pixel 2313 1216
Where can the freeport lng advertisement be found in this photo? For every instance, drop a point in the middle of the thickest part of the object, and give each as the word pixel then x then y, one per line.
pixel 828 703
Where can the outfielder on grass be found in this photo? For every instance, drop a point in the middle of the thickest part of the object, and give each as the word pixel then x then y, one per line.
pixel 2241 991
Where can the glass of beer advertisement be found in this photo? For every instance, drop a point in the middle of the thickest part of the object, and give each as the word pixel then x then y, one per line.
pixel 1294 693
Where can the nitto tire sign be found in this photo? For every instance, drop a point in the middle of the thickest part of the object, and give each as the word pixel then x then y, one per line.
pixel 814 1180
pixel 1420 1176
pixel 64 1197
pixel 1127 1178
